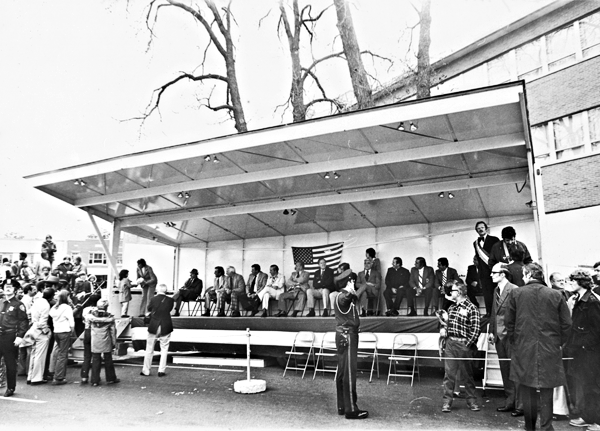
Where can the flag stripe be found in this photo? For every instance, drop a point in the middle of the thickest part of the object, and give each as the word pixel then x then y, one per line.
pixel 310 256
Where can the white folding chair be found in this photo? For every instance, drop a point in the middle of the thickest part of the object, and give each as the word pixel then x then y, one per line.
pixel 303 347
pixel 327 352
pixel 404 350
pixel 367 345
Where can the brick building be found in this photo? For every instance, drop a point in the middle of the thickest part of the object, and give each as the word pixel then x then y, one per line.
pixel 556 51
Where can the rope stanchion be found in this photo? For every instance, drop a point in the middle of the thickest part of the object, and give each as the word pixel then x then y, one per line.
pixel 249 386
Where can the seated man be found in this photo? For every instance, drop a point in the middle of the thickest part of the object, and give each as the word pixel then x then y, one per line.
pixel 237 290
pixel 189 291
pixel 443 275
pixel 396 283
pixel 211 292
pixel 322 286
pixel 256 282
pixel 296 291
pixel 367 285
pixel 273 289
pixel 421 280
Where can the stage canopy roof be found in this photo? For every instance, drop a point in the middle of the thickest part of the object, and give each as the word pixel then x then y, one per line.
pixel 349 171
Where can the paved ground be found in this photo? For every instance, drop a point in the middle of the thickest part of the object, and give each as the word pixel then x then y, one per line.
pixel 188 398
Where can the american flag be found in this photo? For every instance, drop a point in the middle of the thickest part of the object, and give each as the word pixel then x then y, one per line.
pixel 332 253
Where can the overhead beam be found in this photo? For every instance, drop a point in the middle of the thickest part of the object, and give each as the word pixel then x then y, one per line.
pixel 409 154
pixel 441 105
pixel 333 199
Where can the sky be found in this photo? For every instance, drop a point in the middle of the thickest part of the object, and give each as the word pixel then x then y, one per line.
pixel 75 73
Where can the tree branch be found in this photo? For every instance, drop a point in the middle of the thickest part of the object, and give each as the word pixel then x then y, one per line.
pixel 334 102
pixel 320 60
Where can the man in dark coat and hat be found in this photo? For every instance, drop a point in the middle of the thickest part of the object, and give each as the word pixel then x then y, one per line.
pixel 538 323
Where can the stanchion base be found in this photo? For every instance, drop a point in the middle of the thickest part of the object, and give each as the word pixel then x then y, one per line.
pixel 250 386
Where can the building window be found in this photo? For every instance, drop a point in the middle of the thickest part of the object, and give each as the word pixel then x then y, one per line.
pixel 589 33
pixel 120 259
pixel 560 47
pixel 499 70
pixel 529 60
pixel 541 145
pixel 568 136
pixel 594 123
pixel 97 258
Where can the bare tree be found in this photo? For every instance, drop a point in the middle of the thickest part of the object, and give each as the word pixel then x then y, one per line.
pixel 424 70
pixel 358 75
pixel 303 19
pixel 219 32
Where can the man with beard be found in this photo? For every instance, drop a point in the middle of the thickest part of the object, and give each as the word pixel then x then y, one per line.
pixel 483 247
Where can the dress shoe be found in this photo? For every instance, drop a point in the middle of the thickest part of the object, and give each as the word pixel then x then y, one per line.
pixel 474 407
pixel 359 414
pixel 341 412
pixel 145 375
pixel 505 409
pixel 235 314
pixel 206 314
pixel 295 313
pixel 311 313
pixel 517 413
pixel 264 313
pixel 363 314
pixel 59 382
pixel 254 312
pixel 412 312
pixel 84 381
pixel 282 314
pixel 28 382
pixel 41 382
pixel 9 393
pixel 176 314
pixel 95 385
pixel 112 382
pixel 388 313
pixel 325 313
pixel 560 418
pixel 161 374
pixel 370 313
pixel 425 313
pixel 446 408
pixel 221 314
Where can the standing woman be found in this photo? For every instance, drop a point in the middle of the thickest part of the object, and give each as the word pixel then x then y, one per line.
pixel 62 317
pixel 147 281
pixel 125 291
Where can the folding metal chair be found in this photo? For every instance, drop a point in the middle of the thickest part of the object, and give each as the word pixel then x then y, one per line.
pixel 303 346
pixel 327 351
pixel 407 343
pixel 367 345
pixel 197 306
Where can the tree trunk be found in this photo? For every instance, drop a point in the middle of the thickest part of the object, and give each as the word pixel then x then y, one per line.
pixel 424 71
pixel 358 75
pixel 293 36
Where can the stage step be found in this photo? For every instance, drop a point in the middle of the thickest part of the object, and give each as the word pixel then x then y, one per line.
pixel 227 362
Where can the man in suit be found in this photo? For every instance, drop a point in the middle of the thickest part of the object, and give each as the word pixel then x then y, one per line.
pixel 159 328
pixel 296 291
pixel 498 336
pixel 147 281
pixel 472 282
pixel 368 284
pixel 322 286
pixel 211 292
pixel 274 288
pixel 516 266
pixel 233 288
pixel 256 282
pixel 189 291
pixel 443 275
pixel 500 251
pixel 422 281
pixel 397 283
pixel 483 247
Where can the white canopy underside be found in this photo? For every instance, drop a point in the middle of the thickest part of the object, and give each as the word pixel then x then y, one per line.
pixel 472 144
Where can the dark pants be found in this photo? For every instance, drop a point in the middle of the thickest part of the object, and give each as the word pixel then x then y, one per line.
pixel 247 303
pixel 459 371
pixel 345 379
pixel 9 352
pixel 87 354
pixel 487 286
pixel 531 406
pixel 63 342
pixel 23 362
pixel 587 378
pixel 432 296
pixel 401 293
pixel 503 348
pixel 109 367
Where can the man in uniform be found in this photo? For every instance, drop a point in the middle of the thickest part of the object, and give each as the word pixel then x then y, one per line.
pixel 13 326
pixel 346 342
pixel 462 335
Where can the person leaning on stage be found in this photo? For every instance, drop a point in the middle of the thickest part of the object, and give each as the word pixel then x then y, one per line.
pixel 397 283
pixel 538 323
pixel 462 334
pixel 273 289
pixel 498 336
pixel 297 285
pixel 321 288
pixel 13 326
pixel 346 341
pixel 191 290
pixel 256 282
pixel 367 288
pixel 237 288
pixel 146 279
pixel 443 276
pixel 584 347
pixel 159 328
pixel 210 295
pixel 483 247
pixel 422 280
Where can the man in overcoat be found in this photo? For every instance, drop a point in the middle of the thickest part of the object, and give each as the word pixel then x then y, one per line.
pixel 538 323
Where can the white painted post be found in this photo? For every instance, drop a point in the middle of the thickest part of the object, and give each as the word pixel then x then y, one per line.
pixel 248 350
